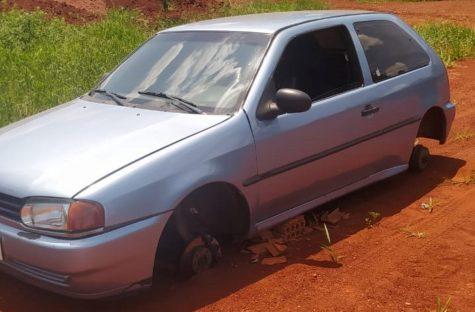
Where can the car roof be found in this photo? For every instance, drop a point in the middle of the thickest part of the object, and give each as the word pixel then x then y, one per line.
pixel 266 22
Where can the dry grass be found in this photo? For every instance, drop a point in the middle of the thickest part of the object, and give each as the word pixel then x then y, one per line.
pixel 430 204
pixel 328 246
pixel 465 179
pixel 464 135
pixel 411 233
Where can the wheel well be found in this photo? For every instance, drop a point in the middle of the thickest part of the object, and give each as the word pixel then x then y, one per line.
pixel 433 125
pixel 218 209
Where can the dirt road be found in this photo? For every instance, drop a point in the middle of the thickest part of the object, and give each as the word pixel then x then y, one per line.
pixel 382 270
pixel 460 11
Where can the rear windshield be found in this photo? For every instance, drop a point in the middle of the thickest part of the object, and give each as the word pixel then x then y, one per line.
pixel 390 51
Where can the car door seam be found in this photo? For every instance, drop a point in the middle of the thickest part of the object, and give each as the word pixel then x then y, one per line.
pixel 328 152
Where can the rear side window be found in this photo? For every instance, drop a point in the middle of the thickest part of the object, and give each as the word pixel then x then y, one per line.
pixel 390 51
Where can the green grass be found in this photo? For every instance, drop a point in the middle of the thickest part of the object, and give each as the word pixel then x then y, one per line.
pixel 452 42
pixel 45 62
pixel 262 6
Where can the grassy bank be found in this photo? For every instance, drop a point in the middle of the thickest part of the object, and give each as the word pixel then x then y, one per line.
pixel 44 62
pixel 47 62
pixel 452 42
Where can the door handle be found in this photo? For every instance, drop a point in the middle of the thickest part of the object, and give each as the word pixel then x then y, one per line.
pixel 369 110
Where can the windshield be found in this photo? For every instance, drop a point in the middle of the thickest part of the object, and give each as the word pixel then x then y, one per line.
pixel 211 70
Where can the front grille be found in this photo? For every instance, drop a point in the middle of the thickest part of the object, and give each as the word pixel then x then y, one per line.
pixel 10 206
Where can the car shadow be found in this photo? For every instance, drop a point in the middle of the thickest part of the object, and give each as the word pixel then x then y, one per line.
pixel 235 271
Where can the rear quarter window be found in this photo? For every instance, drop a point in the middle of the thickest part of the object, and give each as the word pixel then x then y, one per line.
pixel 390 51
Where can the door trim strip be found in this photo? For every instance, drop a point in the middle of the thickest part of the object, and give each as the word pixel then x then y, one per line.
pixel 295 211
pixel 257 178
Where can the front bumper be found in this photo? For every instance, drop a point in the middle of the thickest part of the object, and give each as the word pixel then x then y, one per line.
pixel 99 266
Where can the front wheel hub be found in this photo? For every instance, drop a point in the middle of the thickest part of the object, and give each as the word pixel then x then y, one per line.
pixel 202 259
pixel 199 255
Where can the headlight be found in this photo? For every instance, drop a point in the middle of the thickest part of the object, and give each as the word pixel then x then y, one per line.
pixel 62 215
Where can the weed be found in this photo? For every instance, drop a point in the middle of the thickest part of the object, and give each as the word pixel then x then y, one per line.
pixel 464 135
pixel 452 42
pixel 333 254
pixel 411 233
pixel 441 307
pixel 465 179
pixel 373 216
pixel 430 205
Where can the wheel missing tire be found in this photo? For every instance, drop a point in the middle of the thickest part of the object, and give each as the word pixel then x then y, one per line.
pixel 420 158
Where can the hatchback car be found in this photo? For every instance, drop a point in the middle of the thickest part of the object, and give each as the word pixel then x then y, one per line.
pixel 213 130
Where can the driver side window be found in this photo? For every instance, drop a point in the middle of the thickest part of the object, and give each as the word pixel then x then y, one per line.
pixel 321 63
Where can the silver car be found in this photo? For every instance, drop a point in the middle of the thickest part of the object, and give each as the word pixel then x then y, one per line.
pixel 210 131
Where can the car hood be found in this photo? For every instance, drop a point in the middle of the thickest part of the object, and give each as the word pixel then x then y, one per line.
pixel 62 151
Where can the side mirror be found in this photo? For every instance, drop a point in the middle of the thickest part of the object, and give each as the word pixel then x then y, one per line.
pixel 292 101
pixel 286 101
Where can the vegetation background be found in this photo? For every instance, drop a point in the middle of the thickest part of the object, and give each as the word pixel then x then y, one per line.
pixel 46 61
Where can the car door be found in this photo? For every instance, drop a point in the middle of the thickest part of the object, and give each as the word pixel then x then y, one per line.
pixel 401 84
pixel 303 156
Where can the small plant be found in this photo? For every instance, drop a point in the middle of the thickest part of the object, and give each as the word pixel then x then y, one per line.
pixel 441 307
pixel 429 206
pixel 464 135
pixel 411 233
pixel 465 180
pixel 371 219
pixel 333 254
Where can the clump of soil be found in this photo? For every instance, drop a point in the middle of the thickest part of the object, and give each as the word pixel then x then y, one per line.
pixel 69 12
pixel 87 10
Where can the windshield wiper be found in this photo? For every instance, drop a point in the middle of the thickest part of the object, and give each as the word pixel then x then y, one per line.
pixel 176 101
pixel 114 96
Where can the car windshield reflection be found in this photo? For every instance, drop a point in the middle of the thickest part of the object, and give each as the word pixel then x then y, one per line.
pixel 213 70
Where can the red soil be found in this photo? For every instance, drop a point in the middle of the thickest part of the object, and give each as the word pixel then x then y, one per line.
pixel 382 268
pixel 459 11
pixel 79 11
pixel 65 9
